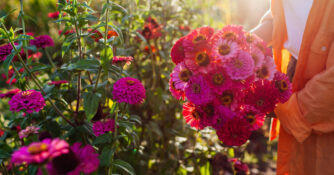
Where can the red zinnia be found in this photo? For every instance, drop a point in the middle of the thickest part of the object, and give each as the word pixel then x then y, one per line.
pixel 192 115
pixel 177 52
pixel 234 132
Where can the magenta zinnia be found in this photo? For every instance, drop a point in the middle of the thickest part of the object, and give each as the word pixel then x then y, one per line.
pixel 29 101
pixel 180 76
pixel 78 160
pixel 223 114
pixel 5 50
pixel 103 126
pixel 282 83
pixel 240 67
pixel 218 79
pixel 42 41
pixel 40 152
pixel 234 132
pixel 129 90
pixel 262 95
pixel 197 91
pixel 253 116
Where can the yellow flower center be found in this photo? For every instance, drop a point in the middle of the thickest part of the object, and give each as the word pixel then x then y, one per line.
pixel 263 72
pixel 226 98
pixel 195 114
pixel 36 148
pixel 199 38
pixel 283 85
pixel 26 93
pixel 238 64
pixel 202 59
pixel 250 118
pixel 218 79
pixel 224 49
pixel 130 82
pixel 229 36
pixel 260 102
pixel 185 75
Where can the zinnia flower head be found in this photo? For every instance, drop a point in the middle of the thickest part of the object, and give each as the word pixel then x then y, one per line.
pixel 58 83
pixel 177 93
pixel 223 114
pixel 29 101
pixel 78 160
pixel 267 70
pixel 229 98
pixel 40 152
pixel 177 52
pixel 218 79
pixel 257 56
pixel 262 95
pixel 42 41
pixel 54 15
pixel 282 83
pixel 10 93
pixel 198 39
pixel 129 90
pixel 232 33
pixel 223 50
pixel 253 116
pixel 192 115
pixel 234 132
pixel 122 60
pixel 181 76
pixel 150 31
pixel 199 61
pixel 209 115
pixel 240 67
pixel 103 126
pixel 35 56
pixel 28 131
pixel 197 91
pixel 5 50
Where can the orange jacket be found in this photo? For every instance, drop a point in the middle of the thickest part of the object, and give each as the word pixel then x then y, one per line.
pixel 306 138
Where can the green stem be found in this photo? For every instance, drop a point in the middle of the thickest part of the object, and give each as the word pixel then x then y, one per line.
pixel 24 29
pixel 49 58
pixel 79 76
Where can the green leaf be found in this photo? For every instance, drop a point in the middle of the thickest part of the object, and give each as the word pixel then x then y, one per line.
pixel 106 156
pixel 53 127
pixel 91 103
pixel 124 166
pixel 104 138
pixel 88 64
pixel 7 62
pixel 106 55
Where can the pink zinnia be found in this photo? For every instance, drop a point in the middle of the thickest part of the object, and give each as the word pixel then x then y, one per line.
pixel 197 91
pixel 129 90
pixel 234 132
pixel 262 95
pixel 257 56
pixel 282 83
pixel 229 98
pixel 223 50
pixel 267 70
pixel 177 52
pixel 199 60
pixel 42 41
pixel 253 116
pixel 10 93
pixel 58 83
pixel 192 115
pixel 198 39
pixel 180 76
pixel 232 33
pixel 28 131
pixel 29 101
pixel 35 56
pixel 223 114
pixel 5 50
pixel 103 126
pixel 240 67
pixel 121 60
pixel 177 93
pixel 218 79
pixel 40 152
pixel 79 160
pixel 53 15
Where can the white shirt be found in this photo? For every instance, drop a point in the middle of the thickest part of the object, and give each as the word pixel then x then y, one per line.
pixel 296 14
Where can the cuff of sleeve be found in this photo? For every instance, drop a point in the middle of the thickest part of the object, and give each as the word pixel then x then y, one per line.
pixel 292 119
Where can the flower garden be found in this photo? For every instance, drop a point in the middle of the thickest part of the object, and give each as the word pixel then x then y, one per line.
pixel 135 87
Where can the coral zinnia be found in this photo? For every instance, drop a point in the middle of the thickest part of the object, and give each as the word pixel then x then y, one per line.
pixel 197 91
pixel 218 79
pixel 39 152
pixel 240 67
pixel 29 100
pixel 234 132
pixel 78 160
pixel 199 61
pixel 253 116
pixel 42 41
pixel 262 95
pixel 129 90
pixel 267 70
pixel 103 126
pixel 192 115
pixel 181 76
pixel 177 52
pixel 198 39
pixel 282 83
pixel 10 93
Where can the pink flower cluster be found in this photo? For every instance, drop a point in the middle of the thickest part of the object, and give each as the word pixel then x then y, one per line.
pixel 129 90
pixel 103 126
pixel 229 79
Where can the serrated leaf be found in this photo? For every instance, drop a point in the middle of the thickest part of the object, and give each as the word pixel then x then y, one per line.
pixel 91 103
pixel 124 166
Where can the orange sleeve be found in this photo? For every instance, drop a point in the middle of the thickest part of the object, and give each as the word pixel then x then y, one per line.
pixel 292 119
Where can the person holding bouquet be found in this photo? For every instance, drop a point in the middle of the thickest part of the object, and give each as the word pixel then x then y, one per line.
pixel 301 33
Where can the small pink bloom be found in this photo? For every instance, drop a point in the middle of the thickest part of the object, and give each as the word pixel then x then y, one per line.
pixel 28 131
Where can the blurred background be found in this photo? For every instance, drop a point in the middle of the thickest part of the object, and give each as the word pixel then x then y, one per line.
pixel 166 144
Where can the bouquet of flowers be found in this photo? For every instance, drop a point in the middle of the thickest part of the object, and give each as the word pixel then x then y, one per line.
pixel 229 81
